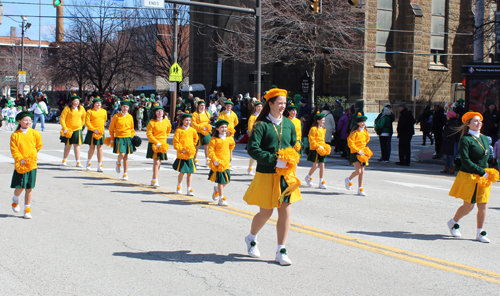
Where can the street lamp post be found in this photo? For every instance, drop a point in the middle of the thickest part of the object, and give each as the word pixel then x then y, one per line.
pixel 24 26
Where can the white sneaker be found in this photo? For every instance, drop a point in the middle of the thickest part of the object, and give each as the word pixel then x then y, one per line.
pixel 15 206
pixel 482 237
pixel 348 183
pixel 230 167
pixel 27 213
pixel 190 192
pixel 282 257
pixel 454 229
pixel 309 181
pixel 361 191
pixel 89 166
pixel 179 190
pixel 207 161
pixel 100 169
pixel 253 250
pixel 250 172
pixel 117 167
pixel 125 177
pixel 154 183
pixel 79 164
pixel 64 162
pixel 215 195
pixel 223 202
pixel 322 185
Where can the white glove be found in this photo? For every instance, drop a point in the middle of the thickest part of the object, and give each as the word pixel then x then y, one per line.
pixel 112 141
pixel 216 163
pixel 205 129
pixel 65 131
pixel 22 161
pixel 361 152
pixel 158 145
pixel 486 175
pixel 321 147
pixel 96 131
pixel 281 164
pixel 183 151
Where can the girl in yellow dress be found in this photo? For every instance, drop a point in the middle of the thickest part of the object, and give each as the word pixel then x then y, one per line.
pixel 474 178
pixel 72 120
pixel 357 141
pixel 157 132
pixel 231 117
pixel 25 143
pixel 201 123
pixel 121 132
pixel 219 151
pixel 251 122
pixel 318 150
pixel 95 120
pixel 275 184
pixel 185 139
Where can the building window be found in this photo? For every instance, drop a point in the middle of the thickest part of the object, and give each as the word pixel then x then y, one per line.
pixel 385 22
pixel 439 29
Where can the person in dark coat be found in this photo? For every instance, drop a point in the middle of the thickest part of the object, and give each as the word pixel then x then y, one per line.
pixel 425 120
pixel 438 122
pixel 459 109
pixel 338 112
pixel 405 130
pixel 491 117
pixel 304 109
pixel 450 142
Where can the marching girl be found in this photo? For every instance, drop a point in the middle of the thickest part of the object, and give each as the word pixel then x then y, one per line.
pixel 231 117
pixel 251 122
pixel 201 123
pixel 360 153
pixel 25 143
pixel 318 150
pixel 158 129
pixel 121 132
pixel 275 184
pixel 94 121
pixel 473 181
pixel 292 115
pixel 219 152
pixel 185 139
pixel 72 120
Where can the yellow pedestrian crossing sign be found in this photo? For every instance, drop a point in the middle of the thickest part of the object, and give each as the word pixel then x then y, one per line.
pixel 175 73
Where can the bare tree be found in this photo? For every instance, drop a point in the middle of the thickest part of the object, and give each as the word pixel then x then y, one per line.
pixel 292 34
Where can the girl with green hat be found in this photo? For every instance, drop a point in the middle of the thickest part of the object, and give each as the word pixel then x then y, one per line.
pixel 201 123
pixel 231 117
pixel 318 150
pixel 185 139
pixel 360 153
pixel 25 143
pixel 121 132
pixel 72 120
pixel 95 121
pixel 158 129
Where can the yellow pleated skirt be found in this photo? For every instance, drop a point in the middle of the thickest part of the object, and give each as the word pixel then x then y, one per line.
pixel 265 191
pixel 465 187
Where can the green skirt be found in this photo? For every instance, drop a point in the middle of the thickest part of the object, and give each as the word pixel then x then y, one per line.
pixel 313 156
pixel 184 165
pixel 76 138
pixel 353 157
pixel 220 177
pixel 123 145
pixel 26 180
pixel 150 153
pixel 203 140
pixel 89 140
pixel 11 120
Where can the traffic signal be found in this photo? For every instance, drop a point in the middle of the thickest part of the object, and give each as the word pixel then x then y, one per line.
pixel 57 3
pixel 353 3
pixel 315 6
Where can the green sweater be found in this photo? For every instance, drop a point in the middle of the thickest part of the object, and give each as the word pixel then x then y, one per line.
pixel 263 143
pixel 474 161
pixel 384 123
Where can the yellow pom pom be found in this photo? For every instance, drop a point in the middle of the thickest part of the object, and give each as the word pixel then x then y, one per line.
pixel 216 193
pixel 154 181
pixel 310 178
pixel 187 111
pixel 359 114
pixel 28 210
pixel 323 182
pixel 350 183
pixel 74 94
pixel 224 198
pixel 250 169
pixel 14 204
pixel 361 189
pixel 292 104
pixel 191 190
pixel 178 187
pixel 317 112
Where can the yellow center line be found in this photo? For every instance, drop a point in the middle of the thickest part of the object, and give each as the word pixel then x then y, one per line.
pixel 417 258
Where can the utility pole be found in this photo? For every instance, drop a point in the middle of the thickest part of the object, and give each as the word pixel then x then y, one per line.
pixel 479 32
pixel 173 94
pixel 258 48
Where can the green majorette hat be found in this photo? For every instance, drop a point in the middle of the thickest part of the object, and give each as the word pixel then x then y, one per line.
pixel 257 104
pixel 221 122
pixel 297 96
pixel 186 114
pixel 292 106
pixel 460 101
pixel 18 107
pixel 96 100
pixel 73 97
pixel 125 103
pixel 23 114
pixel 228 102
pixel 200 102
pixel 361 118
pixel 143 95
pixel 319 116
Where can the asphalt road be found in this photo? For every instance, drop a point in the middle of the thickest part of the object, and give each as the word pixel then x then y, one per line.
pixel 93 234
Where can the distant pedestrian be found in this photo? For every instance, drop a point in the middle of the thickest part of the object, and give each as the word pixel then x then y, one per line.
pixel 425 121
pixel 491 121
pixel 359 153
pixel 40 110
pixel 438 122
pixel 384 129
pixel 343 128
pixel 449 148
pixel 405 131
pixel 304 108
pixel 337 114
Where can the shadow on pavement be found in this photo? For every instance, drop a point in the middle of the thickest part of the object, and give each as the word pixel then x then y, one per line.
pixel 9 216
pixel 77 177
pixel 135 192
pixel 317 192
pixel 186 256
pixel 178 202
pixel 404 235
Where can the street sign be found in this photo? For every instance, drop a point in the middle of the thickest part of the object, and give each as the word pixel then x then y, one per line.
pixel 22 76
pixel 175 73
pixel 154 3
